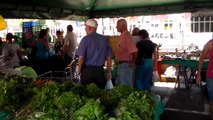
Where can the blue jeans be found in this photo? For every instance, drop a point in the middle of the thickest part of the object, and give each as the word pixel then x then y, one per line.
pixel 209 85
pixel 124 74
pixel 143 76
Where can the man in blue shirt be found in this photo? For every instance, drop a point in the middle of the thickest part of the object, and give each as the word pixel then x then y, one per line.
pixel 93 51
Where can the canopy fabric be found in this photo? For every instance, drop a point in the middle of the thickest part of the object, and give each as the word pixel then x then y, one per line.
pixel 82 9
pixel 3 23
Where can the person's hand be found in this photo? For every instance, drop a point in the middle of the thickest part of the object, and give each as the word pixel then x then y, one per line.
pixel 109 76
pixel 198 80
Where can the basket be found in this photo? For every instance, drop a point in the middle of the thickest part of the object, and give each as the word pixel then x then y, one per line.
pixel 58 76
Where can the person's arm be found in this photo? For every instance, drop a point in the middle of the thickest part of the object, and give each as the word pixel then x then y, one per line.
pixel 6 52
pixel 134 57
pixel 75 41
pixel 200 63
pixel 54 39
pixel 81 53
pixel 19 54
pixel 65 47
pixel 132 49
pixel 155 59
pixel 80 64
pixel 65 50
pixel 46 43
pixel 109 64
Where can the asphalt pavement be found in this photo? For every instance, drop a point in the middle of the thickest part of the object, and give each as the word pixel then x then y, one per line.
pixel 182 103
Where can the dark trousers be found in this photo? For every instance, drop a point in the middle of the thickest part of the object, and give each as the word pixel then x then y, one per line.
pixel 93 74
pixel 67 59
pixel 41 66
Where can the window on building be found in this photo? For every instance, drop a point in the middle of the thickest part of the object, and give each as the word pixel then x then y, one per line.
pixel 202 24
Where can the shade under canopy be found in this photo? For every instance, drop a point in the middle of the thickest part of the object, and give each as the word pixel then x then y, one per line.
pixel 83 9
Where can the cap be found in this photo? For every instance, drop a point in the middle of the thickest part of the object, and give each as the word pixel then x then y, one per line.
pixel 92 23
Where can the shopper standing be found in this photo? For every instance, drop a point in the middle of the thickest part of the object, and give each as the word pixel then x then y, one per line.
pixel 125 54
pixel 93 51
pixel 207 51
pixel 42 52
pixel 70 45
pixel 146 61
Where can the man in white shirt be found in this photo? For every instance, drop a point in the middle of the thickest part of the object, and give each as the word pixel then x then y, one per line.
pixel 9 52
pixel 7 57
pixel 70 44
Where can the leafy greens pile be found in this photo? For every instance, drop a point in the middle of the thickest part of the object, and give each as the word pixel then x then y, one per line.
pixel 69 101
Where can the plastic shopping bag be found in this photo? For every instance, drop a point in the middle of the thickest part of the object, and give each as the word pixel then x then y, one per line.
pixel 155 76
pixel 109 85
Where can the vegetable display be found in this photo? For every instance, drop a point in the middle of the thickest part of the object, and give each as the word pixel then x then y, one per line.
pixel 68 101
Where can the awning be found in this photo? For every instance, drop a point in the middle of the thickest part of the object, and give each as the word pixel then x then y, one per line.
pixel 83 9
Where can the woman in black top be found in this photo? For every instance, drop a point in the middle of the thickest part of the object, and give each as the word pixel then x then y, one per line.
pixel 145 62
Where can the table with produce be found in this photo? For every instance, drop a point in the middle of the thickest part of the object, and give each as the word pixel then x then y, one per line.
pixel 38 99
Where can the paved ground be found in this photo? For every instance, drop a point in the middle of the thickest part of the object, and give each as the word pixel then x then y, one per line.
pixel 181 103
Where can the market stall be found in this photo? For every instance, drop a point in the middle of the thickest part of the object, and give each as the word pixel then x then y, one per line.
pixel 185 67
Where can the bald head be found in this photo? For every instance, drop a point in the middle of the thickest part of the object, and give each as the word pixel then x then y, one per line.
pixel 123 22
pixel 121 25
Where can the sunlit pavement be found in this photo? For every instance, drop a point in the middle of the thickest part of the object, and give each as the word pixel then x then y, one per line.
pixel 182 103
